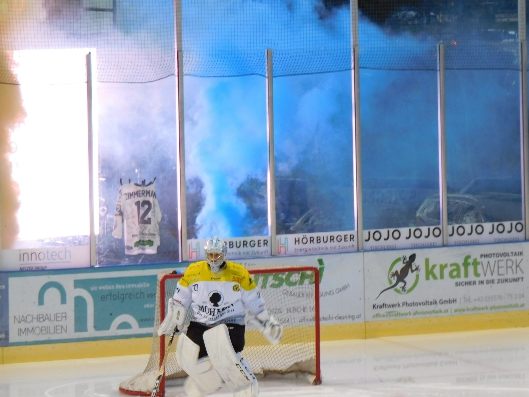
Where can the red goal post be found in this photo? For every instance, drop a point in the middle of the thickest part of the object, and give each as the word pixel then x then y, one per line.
pixel 291 295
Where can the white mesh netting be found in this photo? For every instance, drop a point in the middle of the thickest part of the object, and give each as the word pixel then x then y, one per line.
pixel 291 295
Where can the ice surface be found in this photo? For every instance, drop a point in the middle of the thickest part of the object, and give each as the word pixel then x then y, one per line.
pixel 469 364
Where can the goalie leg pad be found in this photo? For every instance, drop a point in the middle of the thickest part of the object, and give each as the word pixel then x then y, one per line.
pixel 250 391
pixel 203 378
pixel 231 366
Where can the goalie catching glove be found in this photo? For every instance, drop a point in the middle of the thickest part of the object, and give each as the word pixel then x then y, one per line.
pixel 174 318
pixel 268 325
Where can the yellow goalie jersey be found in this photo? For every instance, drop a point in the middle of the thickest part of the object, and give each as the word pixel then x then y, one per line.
pixel 222 297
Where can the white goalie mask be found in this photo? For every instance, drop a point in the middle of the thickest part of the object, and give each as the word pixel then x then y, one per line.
pixel 215 253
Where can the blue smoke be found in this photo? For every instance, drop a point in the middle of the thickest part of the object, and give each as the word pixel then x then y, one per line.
pixel 225 117
pixel 398 94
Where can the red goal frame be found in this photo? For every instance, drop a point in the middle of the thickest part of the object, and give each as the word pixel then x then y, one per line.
pixel 161 301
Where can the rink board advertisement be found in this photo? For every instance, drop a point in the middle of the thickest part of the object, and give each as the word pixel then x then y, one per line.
pixel 315 243
pixel 445 281
pixel 104 303
pixel 397 238
pixel 431 236
pixel 4 310
pixel 341 286
pixel 286 245
pixel 46 258
pixel 242 247
pixel 93 304
pixel 80 306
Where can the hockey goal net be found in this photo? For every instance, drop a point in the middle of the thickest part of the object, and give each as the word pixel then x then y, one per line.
pixel 291 295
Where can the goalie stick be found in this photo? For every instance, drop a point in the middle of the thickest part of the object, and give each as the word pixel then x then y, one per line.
pixel 161 370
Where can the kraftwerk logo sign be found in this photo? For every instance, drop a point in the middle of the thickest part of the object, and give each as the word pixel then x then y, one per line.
pixel 448 281
pixel 400 275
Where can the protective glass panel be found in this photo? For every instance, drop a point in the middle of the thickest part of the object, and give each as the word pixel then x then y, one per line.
pixel 138 220
pixel 45 197
pixel 483 143
pixel 398 124
pixel 313 135
pixel 226 156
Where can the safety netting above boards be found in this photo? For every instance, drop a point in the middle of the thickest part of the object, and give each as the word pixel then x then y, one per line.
pixel 135 41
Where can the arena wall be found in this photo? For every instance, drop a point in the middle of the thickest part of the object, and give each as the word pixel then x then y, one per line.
pixel 99 312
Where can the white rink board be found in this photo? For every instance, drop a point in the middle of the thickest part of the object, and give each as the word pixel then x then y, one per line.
pixel 341 285
pixel 81 306
pixel 77 305
pixel 446 281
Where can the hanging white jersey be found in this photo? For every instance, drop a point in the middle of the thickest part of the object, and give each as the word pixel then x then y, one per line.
pixel 222 297
pixel 138 213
